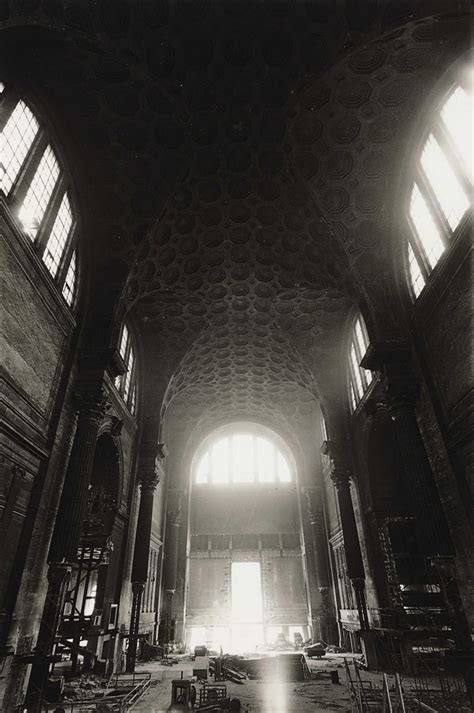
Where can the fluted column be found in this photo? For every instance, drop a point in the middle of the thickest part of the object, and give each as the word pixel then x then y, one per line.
pixel 319 541
pixel 393 362
pixel 92 405
pixel 170 563
pixel 67 530
pixel 58 578
pixel 171 556
pixel 340 476
pixel 149 474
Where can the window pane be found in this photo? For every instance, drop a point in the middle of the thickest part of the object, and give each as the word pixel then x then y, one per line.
pixel 457 117
pixel 283 469
pixel 416 277
pixel 133 400
pixel 243 462
pixel 70 281
pixel 356 373
pixel 426 228
pixel 202 474
pixel 353 398
pixel 123 342
pixel 39 193
pixel 220 461
pixel 15 142
pixel 324 430
pixel 59 234
pixel 361 338
pixel 447 188
pixel 128 376
pixel 265 461
pixel 243 458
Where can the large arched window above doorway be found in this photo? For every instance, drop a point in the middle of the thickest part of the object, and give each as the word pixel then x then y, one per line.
pixel 239 455
pixel 126 384
pixel 35 187
pixel 441 195
pixel 359 378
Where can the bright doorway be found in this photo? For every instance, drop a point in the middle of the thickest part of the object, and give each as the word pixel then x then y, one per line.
pixel 247 606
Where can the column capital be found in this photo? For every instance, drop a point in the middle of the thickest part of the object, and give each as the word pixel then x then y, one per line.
pixel 175 511
pixel 150 466
pixel 340 478
pixel 97 359
pixel 394 362
pixel 339 453
pixel 91 399
pixel 372 406
pixel 312 495
pixel 446 564
pixel 379 354
pixel 57 572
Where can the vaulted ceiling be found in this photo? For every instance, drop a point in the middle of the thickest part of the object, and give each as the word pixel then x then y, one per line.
pixel 242 159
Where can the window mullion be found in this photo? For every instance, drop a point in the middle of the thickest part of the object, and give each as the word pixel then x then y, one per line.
pixel 433 206
pixel 452 154
pixel 355 343
pixel 27 172
pixel 49 217
pixel 126 357
pixel 419 254
pixel 8 103
pixel 66 258
pixel 418 249
pixel 132 384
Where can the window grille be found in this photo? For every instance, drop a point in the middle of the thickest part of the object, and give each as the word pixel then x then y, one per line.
pixel 35 188
pixel 440 197
pixel 359 378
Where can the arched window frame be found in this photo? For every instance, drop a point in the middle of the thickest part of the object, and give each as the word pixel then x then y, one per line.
pixel 419 264
pixel 359 379
pixel 60 259
pixel 127 383
pixel 284 474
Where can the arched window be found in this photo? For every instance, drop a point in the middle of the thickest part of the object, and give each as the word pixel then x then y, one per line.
pixel 442 188
pixel 126 384
pixel 242 457
pixel 324 430
pixel 35 188
pixel 359 378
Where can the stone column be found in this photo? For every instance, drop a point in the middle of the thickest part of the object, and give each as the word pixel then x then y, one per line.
pixel 393 362
pixel 319 540
pixel 149 474
pixel 170 564
pixel 91 408
pixel 340 476
pixel 67 530
pixel 58 578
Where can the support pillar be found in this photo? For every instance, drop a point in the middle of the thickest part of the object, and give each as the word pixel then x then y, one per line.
pixel 393 362
pixel 91 408
pixel 340 476
pixel 319 541
pixel 58 578
pixel 149 473
pixel 170 564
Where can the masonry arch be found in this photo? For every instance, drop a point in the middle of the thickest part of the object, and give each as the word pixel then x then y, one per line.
pixel 246 575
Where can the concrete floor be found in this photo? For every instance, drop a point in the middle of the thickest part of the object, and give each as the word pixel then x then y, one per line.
pixel 318 694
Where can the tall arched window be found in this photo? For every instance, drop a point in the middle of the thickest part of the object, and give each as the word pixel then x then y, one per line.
pixel 242 457
pixel 359 378
pixel 442 190
pixel 126 384
pixel 35 187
